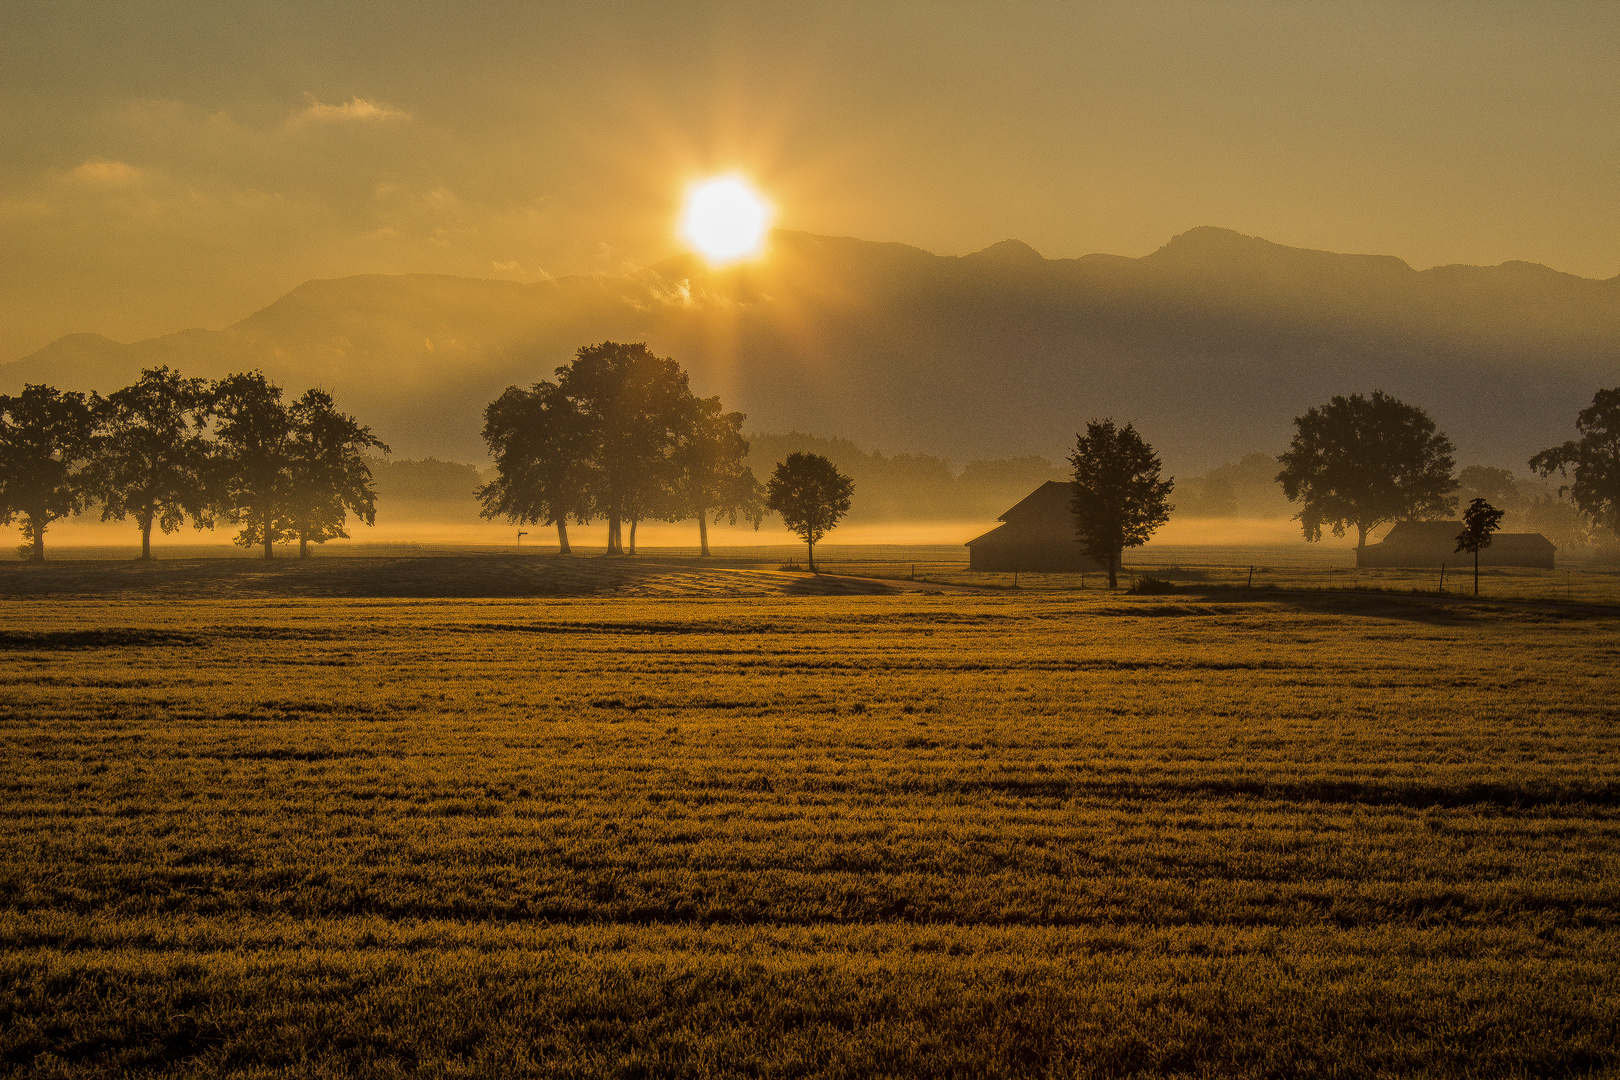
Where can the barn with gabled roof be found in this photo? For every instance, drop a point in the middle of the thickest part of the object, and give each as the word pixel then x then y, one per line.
pixel 1038 536
pixel 1431 543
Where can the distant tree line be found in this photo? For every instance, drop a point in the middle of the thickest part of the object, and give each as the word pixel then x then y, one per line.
pixel 168 449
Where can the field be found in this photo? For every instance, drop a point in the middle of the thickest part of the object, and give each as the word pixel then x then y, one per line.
pixel 997 833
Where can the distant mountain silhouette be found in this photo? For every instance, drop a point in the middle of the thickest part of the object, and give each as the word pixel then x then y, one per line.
pixel 1210 344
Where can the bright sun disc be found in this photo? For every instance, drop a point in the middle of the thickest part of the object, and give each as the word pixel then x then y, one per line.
pixel 725 219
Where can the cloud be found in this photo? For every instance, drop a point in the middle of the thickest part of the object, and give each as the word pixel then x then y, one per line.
pixel 354 110
pixel 106 173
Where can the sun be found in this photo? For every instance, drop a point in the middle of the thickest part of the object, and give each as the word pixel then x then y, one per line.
pixel 725 219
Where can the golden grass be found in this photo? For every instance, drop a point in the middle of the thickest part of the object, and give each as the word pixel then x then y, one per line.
pixel 988 835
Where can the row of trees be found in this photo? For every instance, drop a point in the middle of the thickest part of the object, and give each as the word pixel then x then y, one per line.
pixel 619 435
pixel 168 449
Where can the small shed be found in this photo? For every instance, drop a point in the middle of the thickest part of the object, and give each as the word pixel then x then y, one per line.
pixel 1430 543
pixel 1038 537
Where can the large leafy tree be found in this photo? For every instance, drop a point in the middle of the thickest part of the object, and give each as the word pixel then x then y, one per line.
pixel 1361 462
pixel 151 454
pixel 327 475
pixel 544 469
pixel 811 495
pixel 1592 462
pixel 251 472
pixel 46 436
pixel 634 404
pixel 711 475
pixel 1119 498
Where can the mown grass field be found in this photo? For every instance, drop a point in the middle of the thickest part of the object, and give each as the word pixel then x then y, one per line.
pixel 906 835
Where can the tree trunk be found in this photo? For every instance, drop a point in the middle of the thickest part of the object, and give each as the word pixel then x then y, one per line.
pixel 614 547
pixel 562 538
pixel 36 523
pixel 146 538
pixel 303 544
pixel 1476 571
pixel 703 530
pixel 269 552
pixel 633 523
pixel 812 545
pixel 1361 541
pixel 1113 570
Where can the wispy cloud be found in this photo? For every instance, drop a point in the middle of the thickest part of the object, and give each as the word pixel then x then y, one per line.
pixel 106 173
pixel 354 110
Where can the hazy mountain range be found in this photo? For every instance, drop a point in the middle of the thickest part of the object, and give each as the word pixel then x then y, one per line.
pixel 1210 344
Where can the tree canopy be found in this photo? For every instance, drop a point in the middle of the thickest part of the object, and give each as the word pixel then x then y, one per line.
pixel 287 471
pixel 327 475
pixel 811 495
pixel 710 476
pixel 544 465
pixel 252 455
pixel 46 435
pixel 1119 498
pixel 1592 462
pixel 1480 520
pixel 1361 462
pixel 619 435
pixel 151 454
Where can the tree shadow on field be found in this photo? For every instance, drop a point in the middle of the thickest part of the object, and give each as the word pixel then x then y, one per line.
pixel 1429 610
pixel 419 577
pixel 453 576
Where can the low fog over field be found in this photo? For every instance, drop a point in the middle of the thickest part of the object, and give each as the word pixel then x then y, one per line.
pixel 903 499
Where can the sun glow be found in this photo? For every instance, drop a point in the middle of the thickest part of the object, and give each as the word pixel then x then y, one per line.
pixel 725 219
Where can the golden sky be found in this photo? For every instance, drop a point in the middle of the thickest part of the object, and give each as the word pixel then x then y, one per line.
pixel 164 166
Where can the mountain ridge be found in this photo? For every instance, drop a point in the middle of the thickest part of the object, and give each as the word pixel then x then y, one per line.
pixel 1211 343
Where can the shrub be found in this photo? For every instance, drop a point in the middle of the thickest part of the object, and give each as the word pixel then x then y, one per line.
pixel 1150 586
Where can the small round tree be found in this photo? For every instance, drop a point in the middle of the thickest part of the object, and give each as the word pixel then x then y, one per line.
pixel 1479 521
pixel 811 495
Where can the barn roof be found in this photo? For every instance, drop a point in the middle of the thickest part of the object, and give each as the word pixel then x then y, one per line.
pixel 1050 496
pixel 1445 532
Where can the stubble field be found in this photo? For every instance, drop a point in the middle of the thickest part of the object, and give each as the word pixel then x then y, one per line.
pixel 897 835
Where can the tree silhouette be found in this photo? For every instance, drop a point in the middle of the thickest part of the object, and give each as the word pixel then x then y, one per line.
pixel 45 437
pixel 1592 462
pixel 252 459
pixel 634 405
pixel 1364 461
pixel 1118 497
pixel 327 476
pixel 1479 521
pixel 543 469
pixel 711 474
pixel 1492 484
pixel 811 495
pixel 151 455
